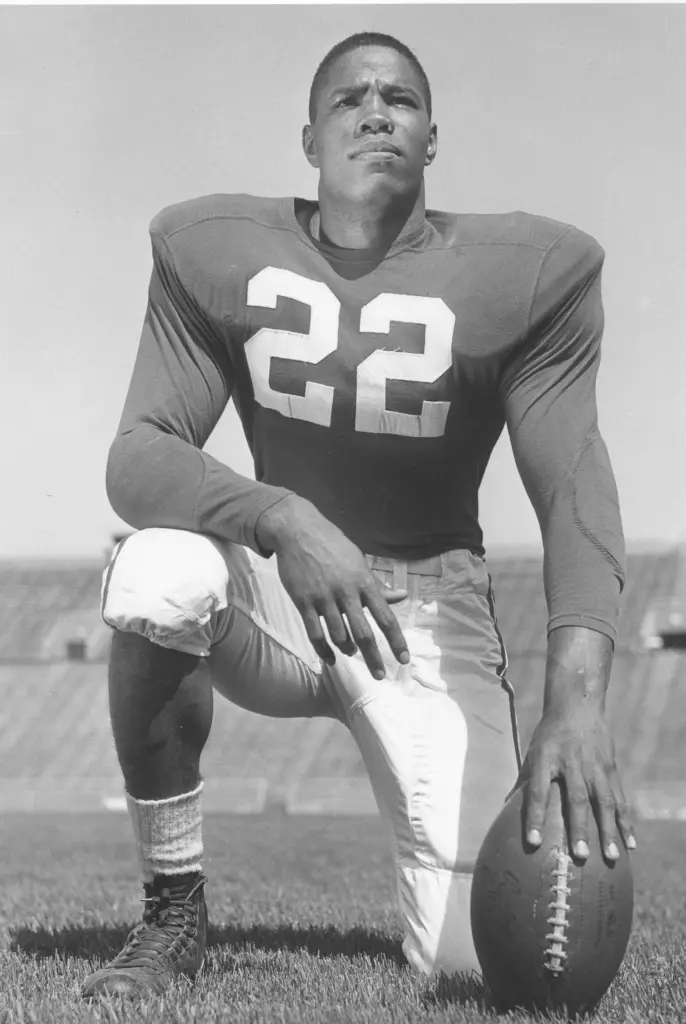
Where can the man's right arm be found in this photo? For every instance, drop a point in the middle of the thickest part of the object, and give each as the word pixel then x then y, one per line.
pixel 157 474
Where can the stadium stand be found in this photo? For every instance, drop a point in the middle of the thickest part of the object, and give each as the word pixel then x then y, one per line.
pixel 43 605
pixel 56 750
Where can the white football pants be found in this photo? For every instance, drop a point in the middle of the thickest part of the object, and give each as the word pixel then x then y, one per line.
pixel 438 736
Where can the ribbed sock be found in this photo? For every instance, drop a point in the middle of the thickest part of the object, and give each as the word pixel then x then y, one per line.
pixel 168 834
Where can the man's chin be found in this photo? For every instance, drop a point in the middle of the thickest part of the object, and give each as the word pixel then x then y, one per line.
pixel 377 183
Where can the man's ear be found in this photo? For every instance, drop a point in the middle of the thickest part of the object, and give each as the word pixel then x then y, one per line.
pixel 432 147
pixel 309 146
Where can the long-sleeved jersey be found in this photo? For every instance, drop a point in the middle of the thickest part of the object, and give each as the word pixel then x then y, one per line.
pixel 375 385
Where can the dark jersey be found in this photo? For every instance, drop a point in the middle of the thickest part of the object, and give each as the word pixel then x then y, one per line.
pixel 375 385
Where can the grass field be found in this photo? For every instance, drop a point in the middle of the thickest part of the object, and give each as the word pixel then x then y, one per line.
pixel 303 927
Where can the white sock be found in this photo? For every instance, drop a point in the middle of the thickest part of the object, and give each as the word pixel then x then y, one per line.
pixel 168 834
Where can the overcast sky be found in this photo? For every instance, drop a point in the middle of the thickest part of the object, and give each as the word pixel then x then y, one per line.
pixel 108 114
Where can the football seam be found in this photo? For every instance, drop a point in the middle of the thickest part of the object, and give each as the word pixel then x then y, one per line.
pixel 559 920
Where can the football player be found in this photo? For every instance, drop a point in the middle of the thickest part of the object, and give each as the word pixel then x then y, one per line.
pixel 375 351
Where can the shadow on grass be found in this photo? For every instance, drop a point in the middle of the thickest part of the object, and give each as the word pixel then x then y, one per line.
pixel 461 988
pixel 102 943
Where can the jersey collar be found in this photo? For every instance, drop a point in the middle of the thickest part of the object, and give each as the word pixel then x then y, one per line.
pixel 300 212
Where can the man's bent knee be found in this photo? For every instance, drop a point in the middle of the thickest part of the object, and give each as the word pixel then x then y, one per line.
pixel 167 586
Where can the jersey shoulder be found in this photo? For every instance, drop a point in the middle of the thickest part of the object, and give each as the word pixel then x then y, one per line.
pixel 514 229
pixel 208 244
pixel 216 209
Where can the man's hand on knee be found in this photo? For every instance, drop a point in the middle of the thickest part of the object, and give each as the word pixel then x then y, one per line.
pixel 327 577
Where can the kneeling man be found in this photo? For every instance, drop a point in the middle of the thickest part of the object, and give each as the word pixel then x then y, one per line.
pixel 375 351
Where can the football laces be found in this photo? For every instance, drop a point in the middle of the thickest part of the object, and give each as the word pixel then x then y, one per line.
pixel 559 919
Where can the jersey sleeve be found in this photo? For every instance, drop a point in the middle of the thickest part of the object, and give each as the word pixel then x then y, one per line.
pixel 548 392
pixel 157 474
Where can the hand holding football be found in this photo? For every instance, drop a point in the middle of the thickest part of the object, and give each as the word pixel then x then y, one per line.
pixel 550 931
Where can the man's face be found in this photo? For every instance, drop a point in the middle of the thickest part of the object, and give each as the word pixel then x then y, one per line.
pixel 372 132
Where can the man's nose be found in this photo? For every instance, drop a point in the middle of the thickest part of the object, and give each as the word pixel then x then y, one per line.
pixel 376 116
pixel 377 122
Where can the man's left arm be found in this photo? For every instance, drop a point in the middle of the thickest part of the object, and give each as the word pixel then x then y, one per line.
pixel 548 392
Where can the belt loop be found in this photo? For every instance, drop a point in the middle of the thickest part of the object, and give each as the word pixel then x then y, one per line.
pixel 400 575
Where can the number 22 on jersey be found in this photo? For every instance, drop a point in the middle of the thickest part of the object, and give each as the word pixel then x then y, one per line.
pixel 315 406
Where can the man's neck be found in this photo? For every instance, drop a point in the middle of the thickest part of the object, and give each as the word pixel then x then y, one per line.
pixel 367 226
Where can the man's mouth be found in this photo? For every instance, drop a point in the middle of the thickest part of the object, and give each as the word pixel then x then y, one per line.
pixel 376 150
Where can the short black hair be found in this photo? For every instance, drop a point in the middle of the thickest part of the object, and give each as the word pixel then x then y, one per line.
pixel 357 42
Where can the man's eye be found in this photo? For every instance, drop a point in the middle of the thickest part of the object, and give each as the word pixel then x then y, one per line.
pixel 346 101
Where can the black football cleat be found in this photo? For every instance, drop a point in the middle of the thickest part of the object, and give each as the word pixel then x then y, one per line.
pixel 168 943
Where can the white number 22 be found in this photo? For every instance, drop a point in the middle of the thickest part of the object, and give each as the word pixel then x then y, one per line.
pixel 315 406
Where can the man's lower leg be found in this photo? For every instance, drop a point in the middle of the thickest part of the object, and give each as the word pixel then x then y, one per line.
pixel 161 710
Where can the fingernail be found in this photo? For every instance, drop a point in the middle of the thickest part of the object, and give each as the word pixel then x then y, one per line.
pixel 533 836
pixel 631 843
pixel 379 674
pixel 581 849
pixel 612 852
pixel 405 658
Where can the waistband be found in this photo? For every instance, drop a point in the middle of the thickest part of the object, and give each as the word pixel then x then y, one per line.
pixel 420 567
pixel 450 561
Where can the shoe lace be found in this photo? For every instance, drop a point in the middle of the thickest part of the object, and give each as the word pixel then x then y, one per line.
pixel 167 928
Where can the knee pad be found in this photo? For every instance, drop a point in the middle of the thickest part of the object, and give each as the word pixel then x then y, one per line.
pixel 168 586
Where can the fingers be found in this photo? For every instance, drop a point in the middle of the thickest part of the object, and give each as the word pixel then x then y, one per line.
pixel 336 628
pixel 578 809
pixel 536 796
pixel 614 818
pixel 623 813
pixel 364 638
pixel 393 595
pixel 338 631
pixel 582 759
pixel 315 632
pixel 605 809
pixel 606 796
pixel 358 632
pixel 376 602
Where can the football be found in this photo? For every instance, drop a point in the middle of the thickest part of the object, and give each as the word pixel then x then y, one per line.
pixel 550 931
